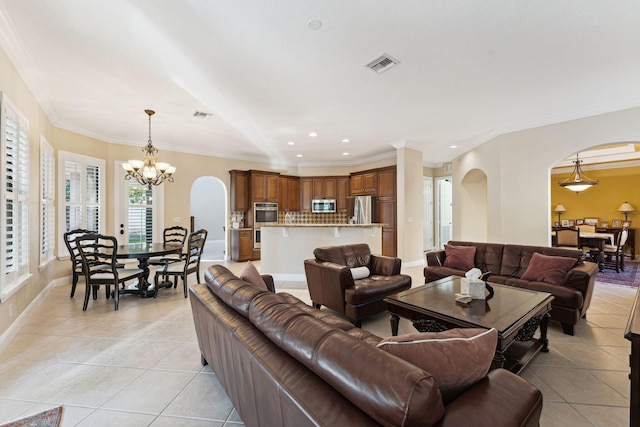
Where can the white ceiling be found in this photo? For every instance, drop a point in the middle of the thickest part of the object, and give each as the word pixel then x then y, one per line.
pixel 469 70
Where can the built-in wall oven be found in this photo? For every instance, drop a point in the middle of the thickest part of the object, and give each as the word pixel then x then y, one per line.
pixel 263 213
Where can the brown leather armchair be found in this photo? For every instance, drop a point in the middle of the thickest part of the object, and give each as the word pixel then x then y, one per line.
pixel 332 284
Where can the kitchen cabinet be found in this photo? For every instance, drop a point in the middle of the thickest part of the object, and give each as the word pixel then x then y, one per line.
pixel 306 194
pixel 288 193
pixel 264 186
pixel 241 244
pixel 342 192
pixel 239 190
pixel 364 183
pixel 387 209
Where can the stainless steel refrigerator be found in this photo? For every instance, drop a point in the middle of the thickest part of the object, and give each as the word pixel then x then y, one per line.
pixel 362 209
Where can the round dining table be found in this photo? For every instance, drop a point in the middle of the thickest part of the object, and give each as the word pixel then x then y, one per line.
pixel 142 252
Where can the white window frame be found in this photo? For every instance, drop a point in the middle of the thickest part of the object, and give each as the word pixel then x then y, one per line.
pixel 84 161
pixel 14 274
pixel 47 203
pixel 121 206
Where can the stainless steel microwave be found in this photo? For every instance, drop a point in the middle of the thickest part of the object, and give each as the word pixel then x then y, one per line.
pixel 323 205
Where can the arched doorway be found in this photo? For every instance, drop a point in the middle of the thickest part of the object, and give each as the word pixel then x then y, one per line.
pixel 209 211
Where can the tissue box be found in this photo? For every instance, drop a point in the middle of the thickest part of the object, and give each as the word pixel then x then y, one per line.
pixel 475 288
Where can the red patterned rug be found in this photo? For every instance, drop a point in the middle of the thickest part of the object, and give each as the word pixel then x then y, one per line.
pixel 629 277
pixel 50 418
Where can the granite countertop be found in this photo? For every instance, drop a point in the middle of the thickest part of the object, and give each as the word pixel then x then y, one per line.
pixel 282 224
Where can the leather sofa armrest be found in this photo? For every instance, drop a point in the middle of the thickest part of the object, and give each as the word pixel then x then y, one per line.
pixel 435 258
pixel 501 399
pixel 326 282
pixel 268 280
pixel 385 266
pixel 580 276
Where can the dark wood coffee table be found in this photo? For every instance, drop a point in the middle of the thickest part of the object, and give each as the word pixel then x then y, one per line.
pixel 514 312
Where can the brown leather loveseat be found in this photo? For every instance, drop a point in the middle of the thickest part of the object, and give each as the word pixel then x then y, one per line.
pixel 285 363
pixel 333 280
pixel 508 264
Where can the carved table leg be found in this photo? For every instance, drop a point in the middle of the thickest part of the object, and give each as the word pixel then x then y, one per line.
pixel 543 333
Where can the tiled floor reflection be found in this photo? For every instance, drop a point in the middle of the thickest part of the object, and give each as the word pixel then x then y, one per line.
pixel 140 366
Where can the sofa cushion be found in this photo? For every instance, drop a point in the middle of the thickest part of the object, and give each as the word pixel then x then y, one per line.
pixel 457 358
pixel 351 256
pixel 236 293
pixel 551 269
pixel 390 390
pixel 250 274
pixel 374 288
pixel 460 257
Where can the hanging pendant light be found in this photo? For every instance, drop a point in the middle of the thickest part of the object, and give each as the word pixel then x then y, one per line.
pixel 577 181
pixel 149 171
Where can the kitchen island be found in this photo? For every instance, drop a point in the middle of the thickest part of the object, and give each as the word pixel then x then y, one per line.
pixel 284 247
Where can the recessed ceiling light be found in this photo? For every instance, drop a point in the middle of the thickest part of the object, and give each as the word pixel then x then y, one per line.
pixel 453 146
pixel 345 154
pixel 345 140
pixel 298 155
pixel 291 143
pixel 313 134
pixel 314 24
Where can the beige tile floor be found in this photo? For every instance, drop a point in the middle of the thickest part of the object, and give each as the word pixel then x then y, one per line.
pixel 140 366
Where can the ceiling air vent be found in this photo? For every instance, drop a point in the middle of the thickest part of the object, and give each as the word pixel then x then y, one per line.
pixel 382 64
pixel 202 115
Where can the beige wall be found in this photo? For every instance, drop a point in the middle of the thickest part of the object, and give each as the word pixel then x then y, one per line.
pixel 410 206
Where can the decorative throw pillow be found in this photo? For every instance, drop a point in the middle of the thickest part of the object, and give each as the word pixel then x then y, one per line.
pixel 360 272
pixel 457 358
pixel 460 257
pixel 550 269
pixel 250 274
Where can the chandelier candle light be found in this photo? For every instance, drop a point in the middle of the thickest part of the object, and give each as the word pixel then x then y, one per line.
pixel 577 181
pixel 149 171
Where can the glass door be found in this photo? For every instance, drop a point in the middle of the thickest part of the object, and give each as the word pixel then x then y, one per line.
pixel 444 210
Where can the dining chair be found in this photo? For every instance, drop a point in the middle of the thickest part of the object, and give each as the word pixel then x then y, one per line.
pixel 614 254
pixel 99 265
pixel 568 238
pixel 587 228
pixel 175 234
pixel 190 263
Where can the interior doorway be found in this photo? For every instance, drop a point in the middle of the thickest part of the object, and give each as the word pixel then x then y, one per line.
pixel 209 211
pixel 443 210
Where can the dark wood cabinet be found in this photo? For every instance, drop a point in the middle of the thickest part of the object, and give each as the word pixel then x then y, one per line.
pixel 306 194
pixel 241 244
pixel 288 193
pixel 387 209
pixel 364 183
pixel 239 190
pixel 264 186
pixel 342 192
pixel 330 188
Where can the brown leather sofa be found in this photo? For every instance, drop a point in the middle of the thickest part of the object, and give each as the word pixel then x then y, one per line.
pixel 285 363
pixel 509 262
pixel 331 283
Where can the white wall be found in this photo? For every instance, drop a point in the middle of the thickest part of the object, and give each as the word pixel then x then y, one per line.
pixel 208 206
pixel 410 206
pixel 517 166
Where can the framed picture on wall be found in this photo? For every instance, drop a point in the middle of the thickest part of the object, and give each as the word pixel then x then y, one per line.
pixel 626 223
pixel 579 221
pixel 565 222
pixel 572 223
pixel 592 221
pixel 617 223
pixel 604 224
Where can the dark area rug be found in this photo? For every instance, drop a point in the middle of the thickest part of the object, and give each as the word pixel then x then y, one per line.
pixel 50 418
pixel 629 277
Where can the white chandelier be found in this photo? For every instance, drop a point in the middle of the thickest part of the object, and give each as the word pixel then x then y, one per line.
pixel 149 171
